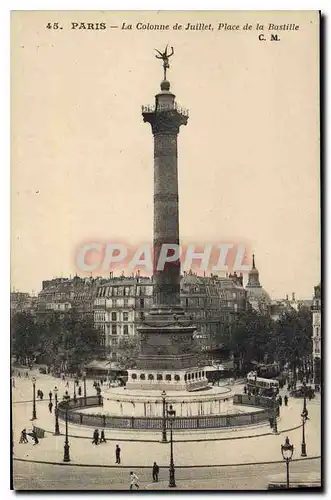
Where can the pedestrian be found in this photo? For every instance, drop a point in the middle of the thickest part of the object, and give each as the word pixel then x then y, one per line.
pixel 245 389
pixel 41 395
pixel 95 437
pixel 79 391
pixel 271 422
pixel 23 438
pixel 285 400
pixel 156 470
pixel 118 454
pixel 134 481
pixel 67 383
pixel 280 400
pixel 102 437
pixel 35 438
pixel 50 406
pixel 50 395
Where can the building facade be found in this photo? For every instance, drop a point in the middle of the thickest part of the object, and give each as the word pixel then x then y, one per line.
pixel 60 295
pixel 317 337
pixel 121 304
pixel 22 302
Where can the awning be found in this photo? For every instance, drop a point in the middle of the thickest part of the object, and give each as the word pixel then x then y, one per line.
pixel 102 365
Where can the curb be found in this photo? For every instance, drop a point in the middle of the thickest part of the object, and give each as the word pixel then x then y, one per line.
pixel 71 464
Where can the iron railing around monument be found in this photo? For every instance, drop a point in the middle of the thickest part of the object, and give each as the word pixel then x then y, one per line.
pixel 156 423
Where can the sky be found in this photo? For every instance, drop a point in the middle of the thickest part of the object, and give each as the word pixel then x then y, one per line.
pixel 82 158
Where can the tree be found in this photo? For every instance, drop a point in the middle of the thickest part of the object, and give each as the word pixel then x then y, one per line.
pixel 128 349
pixel 249 337
pixel 293 343
pixel 25 337
pixel 68 341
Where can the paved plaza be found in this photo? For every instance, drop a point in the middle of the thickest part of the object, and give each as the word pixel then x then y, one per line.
pixel 192 449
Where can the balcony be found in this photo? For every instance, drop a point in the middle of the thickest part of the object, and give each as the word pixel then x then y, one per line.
pixel 151 108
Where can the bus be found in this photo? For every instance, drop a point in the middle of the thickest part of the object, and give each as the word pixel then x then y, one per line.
pixel 261 386
pixel 271 370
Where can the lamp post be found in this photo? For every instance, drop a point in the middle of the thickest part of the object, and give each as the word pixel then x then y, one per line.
pixel 164 417
pixel 75 398
pixel 34 413
pixel 287 451
pixel 66 456
pixel 303 444
pixel 84 378
pixel 57 430
pixel 172 483
pixel 304 397
pixel 304 416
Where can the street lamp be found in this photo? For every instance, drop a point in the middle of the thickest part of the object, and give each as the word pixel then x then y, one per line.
pixel 164 417
pixel 34 413
pixel 66 456
pixel 303 444
pixel 172 483
pixel 304 397
pixel 287 451
pixel 75 398
pixel 57 430
pixel 84 378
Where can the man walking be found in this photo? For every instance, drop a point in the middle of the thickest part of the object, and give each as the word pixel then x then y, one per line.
pixel 285 400
pixel 50 406
pixel 156 470
pixel 102 437
pixel 95 437
pixel 50 396
pixel 134 481
pixel 118 454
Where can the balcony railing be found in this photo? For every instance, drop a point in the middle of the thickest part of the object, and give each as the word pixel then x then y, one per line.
pixel 151 108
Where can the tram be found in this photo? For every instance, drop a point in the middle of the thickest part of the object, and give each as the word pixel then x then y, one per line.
pixel 261 386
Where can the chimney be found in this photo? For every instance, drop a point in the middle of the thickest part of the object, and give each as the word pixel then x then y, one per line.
pixel 293 296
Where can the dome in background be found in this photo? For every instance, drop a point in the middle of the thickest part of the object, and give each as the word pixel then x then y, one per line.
pixel 257 296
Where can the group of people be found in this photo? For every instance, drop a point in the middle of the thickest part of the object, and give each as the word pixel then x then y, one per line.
pixel 99 438
pixel 24 437
pixel 134 480
pixel 280 400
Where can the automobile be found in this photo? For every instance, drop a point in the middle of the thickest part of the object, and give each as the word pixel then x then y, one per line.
pixel 299 393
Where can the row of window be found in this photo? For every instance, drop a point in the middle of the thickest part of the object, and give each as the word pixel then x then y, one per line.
pixel 117 316
pixel 168 376
pixel 115 329
pixel 124 291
